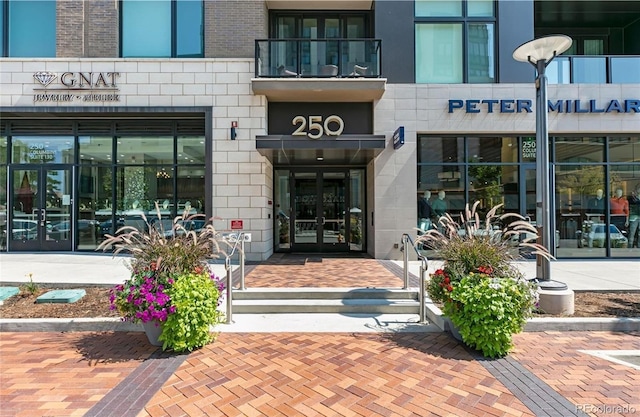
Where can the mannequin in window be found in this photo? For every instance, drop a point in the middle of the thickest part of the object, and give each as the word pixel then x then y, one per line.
pixel 596 204
pixel 439 205
pixel 619 210
pixel 425 211
pixel 634 218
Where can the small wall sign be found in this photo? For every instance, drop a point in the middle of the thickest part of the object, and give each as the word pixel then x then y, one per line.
pixel 236 224
pixel 398 138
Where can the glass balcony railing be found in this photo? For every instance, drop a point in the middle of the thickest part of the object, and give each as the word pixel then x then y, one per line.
pixel 589 69
pixel 318 58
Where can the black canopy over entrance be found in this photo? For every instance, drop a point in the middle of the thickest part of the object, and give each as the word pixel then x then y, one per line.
pixel 344 150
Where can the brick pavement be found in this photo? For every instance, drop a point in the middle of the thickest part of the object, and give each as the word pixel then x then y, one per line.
pixel 296 271
pixel 307 374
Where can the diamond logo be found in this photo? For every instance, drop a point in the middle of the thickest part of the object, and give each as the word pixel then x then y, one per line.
pixel 45 77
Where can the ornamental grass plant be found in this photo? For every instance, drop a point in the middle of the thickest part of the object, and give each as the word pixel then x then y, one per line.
pixel 481 290
pixel 170 282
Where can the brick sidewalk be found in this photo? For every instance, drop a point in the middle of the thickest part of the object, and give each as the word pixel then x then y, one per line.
pixel 306 374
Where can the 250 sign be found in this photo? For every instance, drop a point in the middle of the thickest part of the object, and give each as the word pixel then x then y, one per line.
pixel 331 126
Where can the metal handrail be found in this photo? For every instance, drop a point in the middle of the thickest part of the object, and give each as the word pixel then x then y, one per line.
pixel 239 238
pixel 424 266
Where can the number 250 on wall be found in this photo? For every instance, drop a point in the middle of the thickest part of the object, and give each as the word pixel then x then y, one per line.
pixel 316 127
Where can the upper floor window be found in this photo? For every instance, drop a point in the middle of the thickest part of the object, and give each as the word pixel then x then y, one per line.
pixel 28 28
pixel 455 41
pixel 162 28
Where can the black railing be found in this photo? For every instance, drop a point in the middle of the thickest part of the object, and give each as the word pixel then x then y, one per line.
pixel 315 58
pixel 594 69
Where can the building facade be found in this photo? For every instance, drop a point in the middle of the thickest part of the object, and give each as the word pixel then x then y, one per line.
pixel 314 126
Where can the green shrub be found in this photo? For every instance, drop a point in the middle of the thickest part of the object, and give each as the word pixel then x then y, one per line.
pixel 488 310
pixel 196 298
pixel 481 290
pixel 170 279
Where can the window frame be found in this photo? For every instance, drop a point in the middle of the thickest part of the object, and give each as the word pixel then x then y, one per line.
pixel 5 39
pixel 174 31
pixel 465 20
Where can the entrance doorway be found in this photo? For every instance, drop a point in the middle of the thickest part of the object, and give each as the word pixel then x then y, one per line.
pixel 319 210
pixel 41 205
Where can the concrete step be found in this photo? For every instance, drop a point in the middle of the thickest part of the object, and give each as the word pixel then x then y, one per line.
pixel 324 293
pixel 326 300
pixel 301 305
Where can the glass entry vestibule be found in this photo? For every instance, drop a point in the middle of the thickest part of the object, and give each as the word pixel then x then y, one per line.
pixel 319 210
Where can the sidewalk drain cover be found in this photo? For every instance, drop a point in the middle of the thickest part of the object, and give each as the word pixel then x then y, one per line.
pixel 624 357
pixel 6 292
pixel 61 296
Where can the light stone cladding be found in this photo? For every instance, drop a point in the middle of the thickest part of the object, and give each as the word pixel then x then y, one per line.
pixel 241 177
pixel 423 109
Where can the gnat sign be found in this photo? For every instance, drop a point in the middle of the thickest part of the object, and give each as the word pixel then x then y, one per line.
pixel 560 106
pixel 76 86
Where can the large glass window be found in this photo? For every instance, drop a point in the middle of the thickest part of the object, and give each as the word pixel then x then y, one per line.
pixel 162 28
pixel 439 53
pixel 42 149
pixel 3 193
pixel 30 30
pixel 455 41
pixel 596 186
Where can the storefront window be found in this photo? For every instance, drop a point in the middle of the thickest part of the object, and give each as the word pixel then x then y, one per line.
pixel 596 193
pixel 624 149
pixel 440 150
pixel 492 185
pixel 493 149
pixel 145 150
pixel 42 149
pixel 581 207
pixel 3 193
pixel 190 190
pixel 95 150
pixel 579 150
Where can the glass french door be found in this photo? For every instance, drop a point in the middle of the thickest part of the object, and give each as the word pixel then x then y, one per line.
pixel 318 211
pixel 40 199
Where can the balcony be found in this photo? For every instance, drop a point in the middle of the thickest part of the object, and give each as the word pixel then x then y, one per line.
pixel 596 69
pixel 319 70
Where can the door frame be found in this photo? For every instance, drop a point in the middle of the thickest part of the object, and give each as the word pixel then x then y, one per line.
pixel 42 240
pixel 320 245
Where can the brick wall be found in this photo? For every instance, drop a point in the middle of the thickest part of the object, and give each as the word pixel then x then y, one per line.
pixel 70 28
pixel 231 27
pixel 102 29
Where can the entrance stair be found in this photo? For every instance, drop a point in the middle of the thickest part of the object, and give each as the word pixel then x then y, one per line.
pixel 326 300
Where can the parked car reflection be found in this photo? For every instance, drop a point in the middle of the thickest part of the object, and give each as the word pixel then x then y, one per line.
pixel 24 229
pixel 62 230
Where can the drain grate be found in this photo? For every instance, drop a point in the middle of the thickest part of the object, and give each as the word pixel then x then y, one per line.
pixel 629 358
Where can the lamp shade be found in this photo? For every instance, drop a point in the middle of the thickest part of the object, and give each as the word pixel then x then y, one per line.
pixel 544 48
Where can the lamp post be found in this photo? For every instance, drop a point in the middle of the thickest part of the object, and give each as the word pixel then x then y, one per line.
pixel 539 53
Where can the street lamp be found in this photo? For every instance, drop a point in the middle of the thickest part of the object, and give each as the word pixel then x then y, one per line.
pixel 539 53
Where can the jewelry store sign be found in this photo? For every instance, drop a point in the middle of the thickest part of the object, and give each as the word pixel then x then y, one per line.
pixel 71 87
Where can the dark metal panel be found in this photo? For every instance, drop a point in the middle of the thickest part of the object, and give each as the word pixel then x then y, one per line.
pixel 357 117
pixel 515 27
pixel 394 22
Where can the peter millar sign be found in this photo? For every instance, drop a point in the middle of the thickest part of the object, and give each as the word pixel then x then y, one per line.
pixel 560 106
pixel 76 86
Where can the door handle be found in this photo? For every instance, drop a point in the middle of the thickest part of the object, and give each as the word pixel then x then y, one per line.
pixel 43 217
